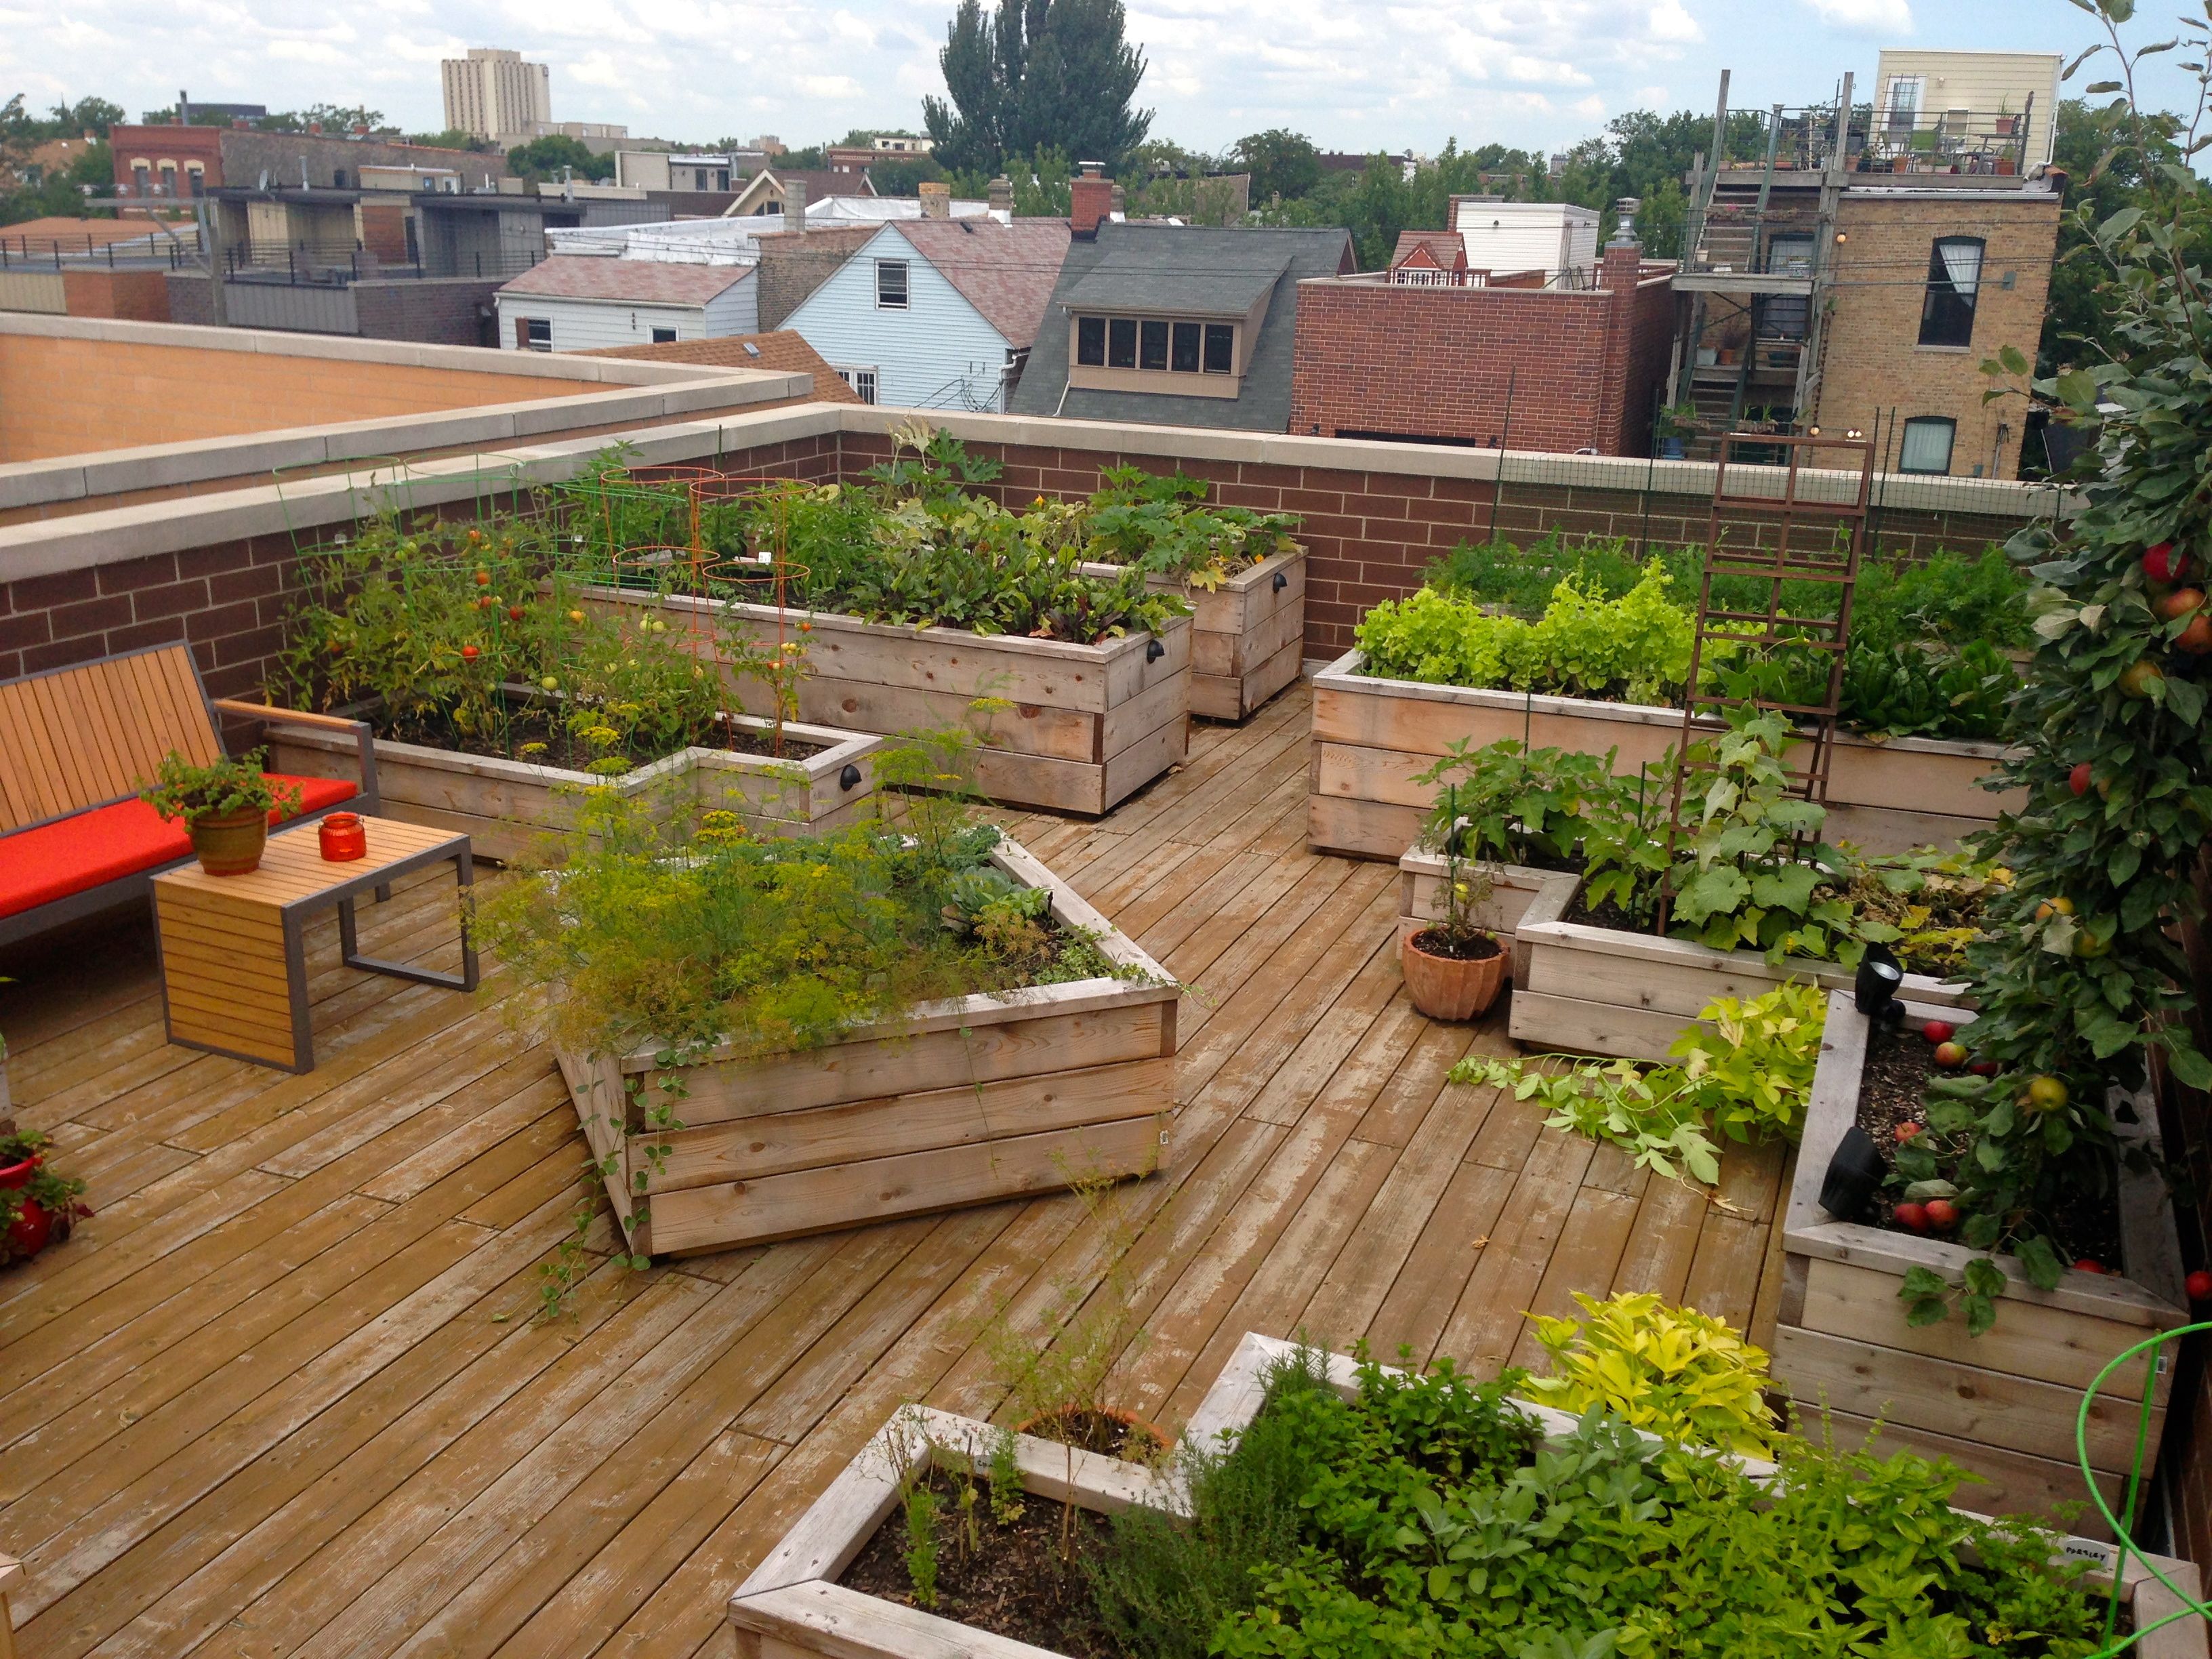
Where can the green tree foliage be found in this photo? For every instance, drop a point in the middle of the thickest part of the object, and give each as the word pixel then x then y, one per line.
pixel 19 126
pixel 452 138
pixel 1038 73
pixel 2107 170
pixel 904 175
pixel 1282 164
pixel 543 158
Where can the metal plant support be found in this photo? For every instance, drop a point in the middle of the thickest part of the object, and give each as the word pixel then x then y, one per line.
pixel 1806 523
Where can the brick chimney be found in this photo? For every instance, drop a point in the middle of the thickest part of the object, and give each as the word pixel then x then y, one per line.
pixel 936 199
pixel 1002 196
pixel 1620 267
pixel 1090 199
pixel 794 204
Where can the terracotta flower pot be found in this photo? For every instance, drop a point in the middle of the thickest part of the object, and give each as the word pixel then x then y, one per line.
pixel 229 843
pixel 1451 987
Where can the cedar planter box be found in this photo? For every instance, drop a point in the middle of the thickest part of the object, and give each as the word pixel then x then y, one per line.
pixel 963 1102
pixel 2001 1404
pixel 1078 728
pixel 791 1606
pixel 1518 896
pixel 1605 991
pixel 1248 636
pixel 508 807
pixel 1371 736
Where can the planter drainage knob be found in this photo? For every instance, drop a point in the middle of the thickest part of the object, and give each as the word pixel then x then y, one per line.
pixel 850 777
pixel 1154 651
pixel 1282 580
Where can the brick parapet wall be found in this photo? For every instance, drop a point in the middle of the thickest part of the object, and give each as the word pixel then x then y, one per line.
pixel 1371 536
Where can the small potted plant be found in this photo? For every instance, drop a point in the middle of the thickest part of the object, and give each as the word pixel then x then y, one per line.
pixel 225 806
pixel 37 1206
pixel 1454 967
pixel 1677 423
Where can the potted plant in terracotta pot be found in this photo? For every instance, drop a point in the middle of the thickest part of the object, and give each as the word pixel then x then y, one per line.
pixel 225 806
pixel 1454 967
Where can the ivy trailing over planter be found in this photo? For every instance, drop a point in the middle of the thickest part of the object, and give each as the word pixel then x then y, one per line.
pixel 2080 981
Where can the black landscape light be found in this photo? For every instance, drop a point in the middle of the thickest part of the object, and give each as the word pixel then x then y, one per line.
pixel 1874 989
pixel 1855 1175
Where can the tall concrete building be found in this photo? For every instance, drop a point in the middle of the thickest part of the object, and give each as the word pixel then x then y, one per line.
pixel 492 93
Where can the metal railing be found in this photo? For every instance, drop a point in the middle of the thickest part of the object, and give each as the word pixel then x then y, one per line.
pixel 157 248
pixel 307 265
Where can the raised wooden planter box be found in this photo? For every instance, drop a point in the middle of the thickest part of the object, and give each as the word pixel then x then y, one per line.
pixel 1071 728
pixel 1248 636
pixel 1604 991
pixel 792 1606
pixel 511 809
pixel 1518 896
pixel 2001 1404
pixel 1371 736
pixel 964 1101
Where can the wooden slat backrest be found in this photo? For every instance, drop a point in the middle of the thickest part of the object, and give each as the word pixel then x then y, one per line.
pixel 80 736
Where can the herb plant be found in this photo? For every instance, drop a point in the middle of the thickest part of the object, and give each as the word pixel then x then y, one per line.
pixel 229 783
pixel 1675 1372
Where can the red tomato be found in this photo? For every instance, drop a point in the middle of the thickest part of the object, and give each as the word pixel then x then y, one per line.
pixel 515 613
pixel 1913 1217
pixel 470 654
pixel 2085 1265
pixel 2199 1286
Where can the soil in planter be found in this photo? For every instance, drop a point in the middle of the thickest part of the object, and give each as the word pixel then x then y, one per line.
pixel 1472 947
pixel 528 725
pixel 1899 1064
pixel 1014 1581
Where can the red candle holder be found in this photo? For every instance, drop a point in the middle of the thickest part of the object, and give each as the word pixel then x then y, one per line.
pixel 344 838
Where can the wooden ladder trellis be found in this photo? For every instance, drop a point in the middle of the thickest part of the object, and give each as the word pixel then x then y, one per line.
pixel 1776 511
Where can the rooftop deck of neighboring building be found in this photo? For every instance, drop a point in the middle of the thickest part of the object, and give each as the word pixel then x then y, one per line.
pixel 285 1393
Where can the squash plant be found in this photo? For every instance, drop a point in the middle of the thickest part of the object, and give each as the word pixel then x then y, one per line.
pixel 2081 980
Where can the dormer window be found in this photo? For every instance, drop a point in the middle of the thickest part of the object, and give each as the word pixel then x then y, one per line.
pixel 1169 354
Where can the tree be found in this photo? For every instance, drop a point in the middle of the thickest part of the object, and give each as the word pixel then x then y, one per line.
pixel 544 158
pixel 1281 163
pixel 2111 163
pixel 452 138
pixel 1052 73
pixel 904 175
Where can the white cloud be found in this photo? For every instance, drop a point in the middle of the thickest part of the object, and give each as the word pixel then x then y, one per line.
pixel 1890 17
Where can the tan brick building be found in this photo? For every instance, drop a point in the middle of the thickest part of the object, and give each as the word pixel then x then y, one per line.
pixel 1928 285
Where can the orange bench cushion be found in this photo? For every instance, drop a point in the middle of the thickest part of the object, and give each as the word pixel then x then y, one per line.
pixel 106 843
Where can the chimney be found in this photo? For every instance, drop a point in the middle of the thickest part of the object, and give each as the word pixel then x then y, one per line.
pixel 794 204
pixel 936 199
pixel 1002 196
pixel 1090 199
pixel 315 128
pixel 1119 202
pixel 1624 229
pixel 240 124
pixel 184 108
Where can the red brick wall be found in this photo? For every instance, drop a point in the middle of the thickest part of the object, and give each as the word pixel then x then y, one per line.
pixel 136 296
pixel 1369 535
pixel 228 599
pixel 1580 370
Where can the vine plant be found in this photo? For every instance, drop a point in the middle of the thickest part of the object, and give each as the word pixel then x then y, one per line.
pixel 2082 987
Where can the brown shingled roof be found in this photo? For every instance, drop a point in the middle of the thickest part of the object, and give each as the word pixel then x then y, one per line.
pixel 782 350
pixel 1006 272
pixel 645 282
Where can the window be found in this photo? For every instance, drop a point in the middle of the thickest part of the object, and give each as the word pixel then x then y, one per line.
pixel 196 176
pixel 169 177
pixel 862 380
pixel 1955 277
pixel 1183 358
pixel 1152 347
pixel 337 177
pixel 1121 343
pixel 1090 342
pixel 1927 444
pixel 534 333
pixel 141 178
pixel 891 285
pixel 1220 348
pixel 662 336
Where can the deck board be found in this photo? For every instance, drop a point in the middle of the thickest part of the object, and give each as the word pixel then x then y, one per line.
pixel 284 1393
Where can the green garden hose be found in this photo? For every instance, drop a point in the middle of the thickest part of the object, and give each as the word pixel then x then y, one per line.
pixel 2123 1545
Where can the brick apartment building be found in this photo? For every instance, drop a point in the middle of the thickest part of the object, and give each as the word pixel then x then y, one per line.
pixel 168 161
pixel 1511 362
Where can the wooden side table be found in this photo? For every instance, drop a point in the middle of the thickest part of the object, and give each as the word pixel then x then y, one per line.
pixel 233 963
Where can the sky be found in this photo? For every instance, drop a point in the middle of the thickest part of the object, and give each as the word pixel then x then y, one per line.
pixel 1400 74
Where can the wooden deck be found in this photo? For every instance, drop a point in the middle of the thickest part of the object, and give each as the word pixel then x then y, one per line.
pixel 284 1395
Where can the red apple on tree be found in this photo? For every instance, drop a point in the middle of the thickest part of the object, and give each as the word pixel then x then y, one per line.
pixel 1913 1217
pixel 2162 563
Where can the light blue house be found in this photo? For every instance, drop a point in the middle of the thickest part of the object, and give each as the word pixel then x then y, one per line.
pixel 936 313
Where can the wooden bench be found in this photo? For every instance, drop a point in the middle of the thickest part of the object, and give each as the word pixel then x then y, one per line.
pixel 76 743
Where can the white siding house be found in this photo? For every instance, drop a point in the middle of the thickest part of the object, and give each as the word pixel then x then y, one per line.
pixel 1500 237
pixel 582 303
pixel 936 313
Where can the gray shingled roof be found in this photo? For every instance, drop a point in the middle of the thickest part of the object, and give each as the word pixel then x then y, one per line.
pixel 1182 269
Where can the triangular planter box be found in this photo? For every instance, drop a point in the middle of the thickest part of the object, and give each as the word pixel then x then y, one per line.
pixel 966 1100
pixel 792 1606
